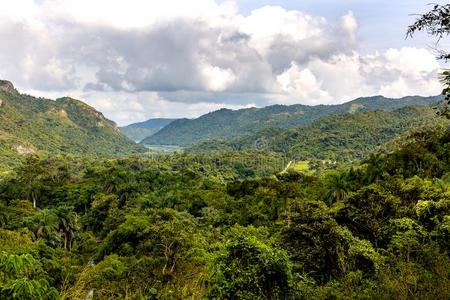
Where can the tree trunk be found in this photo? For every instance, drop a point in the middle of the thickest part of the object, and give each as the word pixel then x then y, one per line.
pixel 33 196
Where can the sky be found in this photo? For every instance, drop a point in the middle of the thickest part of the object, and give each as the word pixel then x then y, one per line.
pixel 140 59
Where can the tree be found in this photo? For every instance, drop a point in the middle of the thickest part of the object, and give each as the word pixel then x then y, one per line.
pixel 19 278
pixel 337 187
pixel 39 175
pixel 68 224
pixel 445 80
pixel 44 225
pixel 367 212
pixel 311 241
pixel 376 166
pixel 408 237
pixel 30 175
pixel 436 23
pixel 250 268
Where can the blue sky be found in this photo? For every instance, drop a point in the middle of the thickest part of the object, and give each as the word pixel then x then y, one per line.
pixel 140 59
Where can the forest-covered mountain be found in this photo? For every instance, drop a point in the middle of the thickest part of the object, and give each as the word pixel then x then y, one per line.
pixel 29 124
pixel 226 123
pixel 139 131
pixel 339 137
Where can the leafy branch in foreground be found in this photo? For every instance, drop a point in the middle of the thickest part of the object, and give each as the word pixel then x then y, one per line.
pixel 444 78
pixel 436 23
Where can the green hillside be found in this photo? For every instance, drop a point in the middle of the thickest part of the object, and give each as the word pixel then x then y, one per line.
pixel 29 124
pixel 139 131
pixel 226 123
pixel 339 137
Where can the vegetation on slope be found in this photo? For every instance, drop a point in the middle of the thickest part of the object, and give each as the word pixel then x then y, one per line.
pixel 227 124
pixel 139 131
pixel 341 137
pixel 29 124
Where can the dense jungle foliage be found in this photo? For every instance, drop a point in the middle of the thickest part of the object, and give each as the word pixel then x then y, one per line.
pixel 174 227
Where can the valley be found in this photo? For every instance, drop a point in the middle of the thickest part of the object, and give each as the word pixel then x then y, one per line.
pixel 254 180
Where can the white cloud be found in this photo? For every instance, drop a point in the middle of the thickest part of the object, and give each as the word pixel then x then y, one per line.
pixel 126 14
pixel 127 108
pixel 24 10
pixel 196 55
pixel 394 73
pixel 349 23
pixel 169 45
pixel 303 85
pixel 217 79
pixel 267 24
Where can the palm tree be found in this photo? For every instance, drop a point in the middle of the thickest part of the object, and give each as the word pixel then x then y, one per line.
pixel 44 225
pixel 67 224
pixel 337 187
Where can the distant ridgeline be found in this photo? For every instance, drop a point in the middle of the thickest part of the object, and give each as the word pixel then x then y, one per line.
pixel 139 131
pixel 340 137
pixel 226 124
pixel 29 124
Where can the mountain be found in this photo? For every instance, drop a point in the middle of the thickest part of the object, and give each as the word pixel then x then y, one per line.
pixel 139 131
pixel 226 123
pixel 29 124
pixel 339 137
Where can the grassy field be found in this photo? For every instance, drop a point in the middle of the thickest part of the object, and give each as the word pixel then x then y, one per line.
pixel 300 166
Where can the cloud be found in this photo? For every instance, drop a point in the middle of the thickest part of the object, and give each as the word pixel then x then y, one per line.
pixel 126 108
pixel 303 84
pixel 394 73
pixel 283 36
pixel 28 57
pixel 170 45
pixel 196 55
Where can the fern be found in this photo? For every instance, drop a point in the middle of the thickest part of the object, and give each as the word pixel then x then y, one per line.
pixel 16 264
